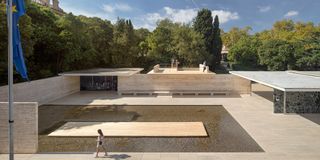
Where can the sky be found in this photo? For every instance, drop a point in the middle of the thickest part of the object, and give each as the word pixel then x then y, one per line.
pixel 258 14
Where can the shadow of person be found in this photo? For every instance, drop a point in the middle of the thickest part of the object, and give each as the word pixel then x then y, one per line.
pixel 118 156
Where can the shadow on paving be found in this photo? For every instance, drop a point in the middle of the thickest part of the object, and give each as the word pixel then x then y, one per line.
pixel 313 117
pixel 268 95
pixel 119 156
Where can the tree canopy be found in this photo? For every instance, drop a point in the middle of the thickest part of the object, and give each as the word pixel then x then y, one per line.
pixel 58 43
pixel 288 45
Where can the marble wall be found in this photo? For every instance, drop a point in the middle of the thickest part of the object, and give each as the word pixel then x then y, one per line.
pixel 184 82
pixel 42 90
pixel 25 127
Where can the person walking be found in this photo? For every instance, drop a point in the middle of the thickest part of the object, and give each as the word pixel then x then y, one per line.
pixel 100 144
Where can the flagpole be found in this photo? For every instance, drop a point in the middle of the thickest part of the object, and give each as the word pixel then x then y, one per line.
pixel 10 81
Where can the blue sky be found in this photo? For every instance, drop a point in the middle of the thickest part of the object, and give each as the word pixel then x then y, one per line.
pixel 259 14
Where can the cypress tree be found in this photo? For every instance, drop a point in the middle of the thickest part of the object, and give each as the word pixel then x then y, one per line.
pixel 203 25
pixel 216 42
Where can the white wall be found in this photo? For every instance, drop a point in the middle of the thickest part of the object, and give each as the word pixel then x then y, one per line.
pixel 43 90
pixel 25 127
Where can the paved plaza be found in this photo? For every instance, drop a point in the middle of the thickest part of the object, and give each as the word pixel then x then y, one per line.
pixel 281 136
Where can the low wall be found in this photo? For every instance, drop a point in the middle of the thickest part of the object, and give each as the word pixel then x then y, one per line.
pixel 297 102
pixel 167 82
pixel 25 127
pixel 43 90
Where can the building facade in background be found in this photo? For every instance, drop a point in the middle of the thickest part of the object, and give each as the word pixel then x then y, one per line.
pixel 53 4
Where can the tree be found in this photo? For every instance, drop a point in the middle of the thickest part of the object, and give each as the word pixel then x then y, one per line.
pixel 77 51
pixel 245 51
pixel 308 56
pixel 203 25
pixel 234 35
pixel 100 33
pixel 46 54
pixel 277 54
pixel 217 42
pixel 142 47
pixel 160 42
pixel 189 46
pixel 125 52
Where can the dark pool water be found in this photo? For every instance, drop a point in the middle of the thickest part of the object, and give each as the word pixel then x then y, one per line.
pixel 225 134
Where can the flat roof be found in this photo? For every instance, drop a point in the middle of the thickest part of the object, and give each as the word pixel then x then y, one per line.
pixel 104 72
pixel 291 81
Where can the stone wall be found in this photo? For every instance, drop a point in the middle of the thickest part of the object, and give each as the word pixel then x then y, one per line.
pixel 25 127
pixel 43 90
pixel 194 82
pixel 297 102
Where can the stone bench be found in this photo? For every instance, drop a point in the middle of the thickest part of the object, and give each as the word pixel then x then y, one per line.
pixel 200 93
pixel 143 93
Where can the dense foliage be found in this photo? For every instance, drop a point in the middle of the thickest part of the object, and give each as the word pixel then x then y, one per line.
pixel 172 40
pixel 288 45
pixel 54 44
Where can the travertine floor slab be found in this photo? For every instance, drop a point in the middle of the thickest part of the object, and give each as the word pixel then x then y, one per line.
pixel 132 129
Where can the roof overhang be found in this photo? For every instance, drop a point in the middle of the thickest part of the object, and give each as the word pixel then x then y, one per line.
pixel 289 81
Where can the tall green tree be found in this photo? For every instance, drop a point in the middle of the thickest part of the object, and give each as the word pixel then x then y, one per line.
pixel 216 42
pixel 203 25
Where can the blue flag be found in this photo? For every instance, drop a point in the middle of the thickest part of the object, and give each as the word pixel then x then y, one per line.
pixel 18 10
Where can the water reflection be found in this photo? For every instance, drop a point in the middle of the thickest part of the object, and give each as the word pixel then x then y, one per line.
pixel 225 134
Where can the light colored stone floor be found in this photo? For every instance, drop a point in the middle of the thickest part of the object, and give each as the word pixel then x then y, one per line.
pixel 282 136
pixel 111 98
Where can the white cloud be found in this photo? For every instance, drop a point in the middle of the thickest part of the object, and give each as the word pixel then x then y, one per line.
pixel 225 16
pixel 183 16
pixel 108 8
pixel 123 7
pixel 291 14
pixel 111 8
pixel 154 17
pixel 264 8
pixel 180 15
